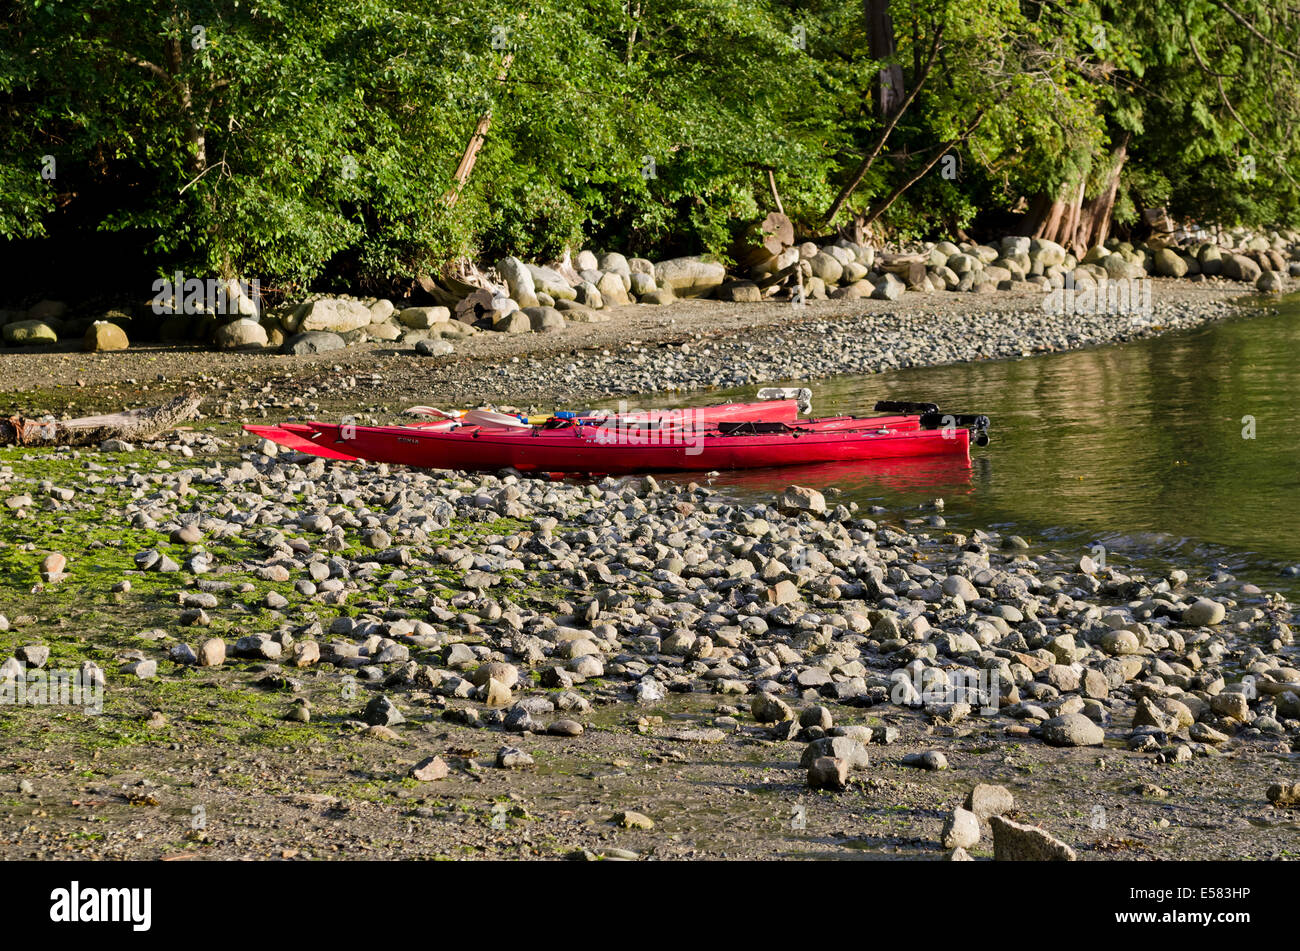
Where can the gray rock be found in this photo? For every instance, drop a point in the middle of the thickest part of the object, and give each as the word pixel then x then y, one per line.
pixel 828 772
pixel 434 348
pixel 33 655
pixel 961 830
pixel 424 318
pixel 1014 842
pixel 313 341
pixel 889 288
pixel 690 276
pixel 841 747
pixel 144 669
pixel 381 711
pixel 931 760
pixel 29 333
pixel 212 652
pixel 797 498
pixel 1203 612
pixel 767 708
pixel 239 335
pixel 986 801
pixel 509 757
pixel 1072 729
pixel 519 280
pixel 333 314
pixel 545 319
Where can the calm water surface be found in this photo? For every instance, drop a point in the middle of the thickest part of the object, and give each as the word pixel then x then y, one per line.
pixel 1142 447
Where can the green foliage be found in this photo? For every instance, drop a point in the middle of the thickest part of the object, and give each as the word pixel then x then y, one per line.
pixel 289 140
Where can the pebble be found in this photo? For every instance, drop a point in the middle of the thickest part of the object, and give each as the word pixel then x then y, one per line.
pixel 961 830
pixel 986 800
pixel 931 760
pixel 430 770
pixel 1072 729
pixel 381 711
pixel 212 652
pixel 509 757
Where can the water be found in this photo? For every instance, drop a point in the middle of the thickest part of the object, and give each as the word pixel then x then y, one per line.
pixel 1145 448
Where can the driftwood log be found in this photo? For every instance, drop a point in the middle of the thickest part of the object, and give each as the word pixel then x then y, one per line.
pixel 130 425
pixel 910 268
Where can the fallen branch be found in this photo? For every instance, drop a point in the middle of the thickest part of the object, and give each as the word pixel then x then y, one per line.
pixel 134 424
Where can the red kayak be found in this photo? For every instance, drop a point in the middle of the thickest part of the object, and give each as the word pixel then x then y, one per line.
pixel 649 443
pixel 300 437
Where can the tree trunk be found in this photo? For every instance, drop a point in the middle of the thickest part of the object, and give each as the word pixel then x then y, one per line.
pixel 880 38
pixel 1073 221
pixel 918 81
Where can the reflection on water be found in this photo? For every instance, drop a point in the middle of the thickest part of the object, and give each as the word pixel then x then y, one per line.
pixel 1182 448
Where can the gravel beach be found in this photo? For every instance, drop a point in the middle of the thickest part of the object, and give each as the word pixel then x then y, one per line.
pixel 687 345
pixel 313 660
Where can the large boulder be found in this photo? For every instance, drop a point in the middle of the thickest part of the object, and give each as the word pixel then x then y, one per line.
pixel 388 330
pixel 422 318
pixel 515 322
pixel 313 341
pixel 1169 263
pixel 102 336
pixel 1016 842
pixel 613 290
pixel 963 263
pixel 1271 282
pixel 550 281
pixel 47 310
pixel 1119 268
pixel 545 319
pixel 1210 259
pixel 520 281
pixel 29 333
pixel 1013 245
pixel 827 267
pixel 889 288
pixel 1072 729
pixel 615 262
pixel 642 284
pixel 739 292
pixel 244 333
pixel 589 295
pixel 1238 267
pixel 332 313
pixel 689 277
pixel 1048 253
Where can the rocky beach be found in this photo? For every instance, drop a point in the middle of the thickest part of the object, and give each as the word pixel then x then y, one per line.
pixel 305 659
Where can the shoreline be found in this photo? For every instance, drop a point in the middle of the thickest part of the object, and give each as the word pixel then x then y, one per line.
pixel 639 350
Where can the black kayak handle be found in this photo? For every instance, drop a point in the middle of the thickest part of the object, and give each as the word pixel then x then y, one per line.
pixel 906 409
